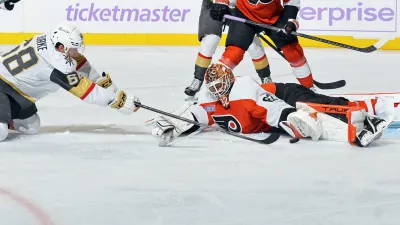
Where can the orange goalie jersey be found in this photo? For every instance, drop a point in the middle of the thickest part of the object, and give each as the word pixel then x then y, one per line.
pixel 264 11
pixel 252 108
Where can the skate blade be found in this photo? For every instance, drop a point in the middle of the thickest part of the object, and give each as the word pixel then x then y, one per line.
pixel 191 99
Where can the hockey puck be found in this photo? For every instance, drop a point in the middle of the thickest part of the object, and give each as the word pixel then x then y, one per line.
pixel 294 140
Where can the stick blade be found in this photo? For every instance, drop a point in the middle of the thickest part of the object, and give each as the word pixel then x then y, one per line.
pixel 270 139
pixel 369 49
pixel 331 85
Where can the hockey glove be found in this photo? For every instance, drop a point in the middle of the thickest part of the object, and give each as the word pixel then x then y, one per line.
pixel 9 5
pixel 169 129
pixel 219 9
pixel 105 81
pixel 164 125
pixel 292 25
pixel 124 103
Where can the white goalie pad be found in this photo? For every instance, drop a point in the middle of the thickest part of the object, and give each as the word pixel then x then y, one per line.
pixel 337 130
pixel 334 129
pixel 387 105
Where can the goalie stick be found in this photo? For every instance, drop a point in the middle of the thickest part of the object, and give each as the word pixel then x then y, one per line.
pixel 368 49
pixel 331 85
pixel 273 137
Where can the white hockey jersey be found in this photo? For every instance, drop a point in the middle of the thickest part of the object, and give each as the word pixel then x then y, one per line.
pixel 35 69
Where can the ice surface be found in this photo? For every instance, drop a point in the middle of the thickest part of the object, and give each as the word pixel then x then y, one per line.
pixel 93 166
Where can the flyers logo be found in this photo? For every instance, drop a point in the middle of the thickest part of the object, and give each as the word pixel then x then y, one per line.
pixel 255 2
pixel 228 122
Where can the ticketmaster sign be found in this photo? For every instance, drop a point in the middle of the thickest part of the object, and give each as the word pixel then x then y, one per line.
pixel 349 16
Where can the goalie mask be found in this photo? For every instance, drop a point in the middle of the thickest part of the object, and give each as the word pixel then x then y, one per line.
pixel 219 81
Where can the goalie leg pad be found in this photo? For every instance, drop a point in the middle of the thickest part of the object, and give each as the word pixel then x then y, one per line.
pixel 361 129
pixel 304 123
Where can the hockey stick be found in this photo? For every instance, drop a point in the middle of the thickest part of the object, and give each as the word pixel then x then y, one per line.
pixel 332 85
pixel 368 49
pixel 269 140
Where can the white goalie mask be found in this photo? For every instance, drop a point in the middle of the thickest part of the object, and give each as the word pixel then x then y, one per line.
pixel 70 37
pixel 219 79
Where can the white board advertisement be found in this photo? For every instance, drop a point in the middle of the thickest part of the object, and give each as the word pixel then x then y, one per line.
pixel 369 18
pixel 122 16
pixel 349 17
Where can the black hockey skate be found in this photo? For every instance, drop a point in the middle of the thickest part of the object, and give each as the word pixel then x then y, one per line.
pixel 373 130
pixel 266 80
pixel 192 90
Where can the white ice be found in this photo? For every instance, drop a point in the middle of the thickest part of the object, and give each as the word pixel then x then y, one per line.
pixel 93 166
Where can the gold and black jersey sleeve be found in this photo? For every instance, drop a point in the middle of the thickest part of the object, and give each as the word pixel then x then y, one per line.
pixel 80 86
pixel 80 60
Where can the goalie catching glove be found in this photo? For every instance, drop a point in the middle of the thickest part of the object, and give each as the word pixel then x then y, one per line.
pixel 168 129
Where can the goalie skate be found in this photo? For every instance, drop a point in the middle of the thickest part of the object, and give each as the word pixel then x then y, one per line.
pixel 374 128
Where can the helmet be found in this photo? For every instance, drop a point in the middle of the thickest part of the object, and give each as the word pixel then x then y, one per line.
pixel 67 35
pixel 219 80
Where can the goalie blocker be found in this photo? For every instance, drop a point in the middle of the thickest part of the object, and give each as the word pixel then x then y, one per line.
pixel 239 104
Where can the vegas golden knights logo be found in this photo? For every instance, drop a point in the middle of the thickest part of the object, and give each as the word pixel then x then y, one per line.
pixel 255 2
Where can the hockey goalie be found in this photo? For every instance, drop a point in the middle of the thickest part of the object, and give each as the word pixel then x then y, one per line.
pixel 240 104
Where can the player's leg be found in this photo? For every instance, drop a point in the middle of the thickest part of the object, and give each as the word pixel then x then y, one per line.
pixel 292 93
pixel 260 60
pixel 294 54
pixel 5 116
pixel 209 35
pixel 240 37
pixel 30 125
pixel 349 113
pixel 24 120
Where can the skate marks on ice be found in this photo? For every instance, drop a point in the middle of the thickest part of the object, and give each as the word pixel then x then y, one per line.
pixel 112 133
pixel 109 129
pixel 375 210
pixel 96 129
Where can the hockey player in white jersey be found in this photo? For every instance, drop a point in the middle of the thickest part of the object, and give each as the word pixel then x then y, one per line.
pixel 240 104
pixel 43 65
pixel 8 4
